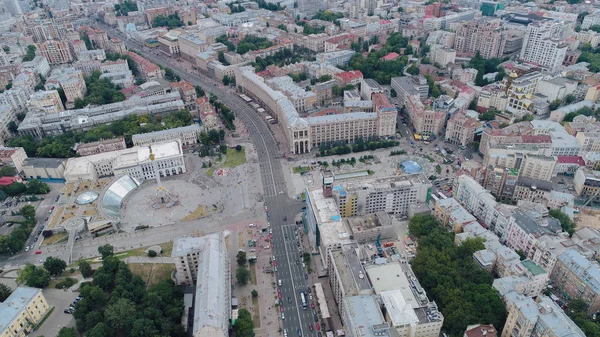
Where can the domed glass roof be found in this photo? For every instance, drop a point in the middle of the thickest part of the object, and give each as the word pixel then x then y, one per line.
pixel 86 197
pixel 411 167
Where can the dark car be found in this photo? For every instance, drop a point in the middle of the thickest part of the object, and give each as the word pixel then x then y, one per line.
pixel 306 276
pixel 289 299
pixel 299 332
pixel 285 218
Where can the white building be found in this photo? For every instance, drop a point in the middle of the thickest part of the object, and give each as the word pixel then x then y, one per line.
pixel 134 162
pixel 39 64
pixel 542 44
pixel 186 134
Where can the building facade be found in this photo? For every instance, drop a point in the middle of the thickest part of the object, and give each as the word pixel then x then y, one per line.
pixel 542 44
pixel 579 278
pixel 101 146
pixel 22 311
pixel 186 134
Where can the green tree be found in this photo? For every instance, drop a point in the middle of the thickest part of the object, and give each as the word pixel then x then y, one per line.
pixel 489 115
pixel 55 266
pixel 106 251
pixel 152 253
pixel 241 258
pixel 170 21
pixel 242 275
pixel 30 54
pixel 100 330
pixel 7 171
pixel 244 326
pixel 36 186
pixel 119 314
pixel 199 91
pixel 565 222
pixel 5 291
pixel 33 276
pixel 555 104
pixel 85 268
pixel 254 293
pixel 420 225
pixel 67 332
pixel 413 69
pixel 12 127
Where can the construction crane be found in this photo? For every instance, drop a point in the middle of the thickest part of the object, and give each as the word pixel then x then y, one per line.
pixel 378 245
pixel 591 198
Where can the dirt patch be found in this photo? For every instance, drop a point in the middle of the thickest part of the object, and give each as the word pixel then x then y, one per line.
pixel 143 270
pixel 54 238
pixel 161 272
pixel 68 189
pixel 587 220
pixel 90 212
pixel 55 217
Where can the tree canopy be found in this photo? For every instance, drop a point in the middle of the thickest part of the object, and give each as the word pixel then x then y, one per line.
pixel 33 276
pixel 448 273
pixel 484 66
pixel 55 266
pixel 171 21
pixel 251 42
pixel 328 16
pixel 566 223
pixel 244 326
pixel 30 54
pixel 99 91
pixel 242 275
pixel 5 291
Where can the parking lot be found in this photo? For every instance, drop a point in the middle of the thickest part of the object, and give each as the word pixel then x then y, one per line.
pixel 60 300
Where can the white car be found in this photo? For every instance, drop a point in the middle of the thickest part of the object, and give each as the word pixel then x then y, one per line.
pixel 274 258
pixel 27 248
pixel 251 225
pixel 282 315
pixel 284 332
pixel 270 231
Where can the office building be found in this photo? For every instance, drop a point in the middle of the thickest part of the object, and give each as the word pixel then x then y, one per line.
pixel 39 168
pixel 134 162
pixel 577 277
pixel 533 190
pixel 542 45
pixel 408 86
pixel 425 121
pixel 541 317
pixel 39 64
pixel 391 195
pixel 301 99
pixel 538 167
pixel 101 146
pixel 203 261
pixel 188 135
pixel 22 311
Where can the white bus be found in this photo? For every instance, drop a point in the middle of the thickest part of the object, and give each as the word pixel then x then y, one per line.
pixel 246 98
pixel 303 298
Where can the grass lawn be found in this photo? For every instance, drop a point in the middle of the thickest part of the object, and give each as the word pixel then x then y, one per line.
pixel 54 238
pixel 301 169
pixel 234 158
pixel 255 312
pixel 210 171
pixel 252 269
pixel 152 273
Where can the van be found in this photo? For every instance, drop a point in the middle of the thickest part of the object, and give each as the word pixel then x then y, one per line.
pixel 279 283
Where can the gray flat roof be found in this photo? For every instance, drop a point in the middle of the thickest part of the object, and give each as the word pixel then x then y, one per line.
pixel 44 162
pixel 14 304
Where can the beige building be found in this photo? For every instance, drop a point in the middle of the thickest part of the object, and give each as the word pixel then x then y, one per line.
pixel 47 100
pixel 22 311
pixel 538 167
pixel 461 129
pixel 186 134
pixel 451 214
pixel 369 227
pixel 70 80
pixel 44 168
pixel 579 278
pixel 443 56
pixel 13 156
pixel 169 44
pixel 540 317
pixel 424 120
pixel 303 100
pixel 56 52
pixel 105 145
pixel 7 114
pixel 486 37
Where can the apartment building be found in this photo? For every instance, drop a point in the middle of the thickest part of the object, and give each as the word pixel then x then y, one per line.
pixel 70 80
pixel 55 51
pixel 482 205
pixel 408 86
pixel 392 195
pixel 525 228
pixel 101 146
pixel 542 44
pixel 387 115
pixel 520 90
pixel 590 20
pixel 483 36
pixel 188 94
pixel 8 114
pixel 204 262
pixel 533 190
pixel 47 101
pixel 579 278
pixel 145 68
pixel 13 156
pixel 363 311
pixel 492 96
pixel 22 311
pixel 538 167
pixel 541 317
pixel 461 129
pixel 587 184
pixel 443 55
pixel 186 134
pixel 114 66
pixel 39 65
pixel 531 282
pixel 451 214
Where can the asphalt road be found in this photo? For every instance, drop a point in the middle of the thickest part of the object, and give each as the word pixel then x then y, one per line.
pixel 278 204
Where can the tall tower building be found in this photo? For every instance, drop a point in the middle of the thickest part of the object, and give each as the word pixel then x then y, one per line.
pixel 487 37
pixel 13 7
pixel 542 44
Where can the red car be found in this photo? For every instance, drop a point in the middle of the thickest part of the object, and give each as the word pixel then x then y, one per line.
pixel 270 236
pixel 279 294
pixel 281 308
pixel 272 246
pixel 38 252
pixel 318 326
pixel 274 264
pixel 310 327
pixel 312 305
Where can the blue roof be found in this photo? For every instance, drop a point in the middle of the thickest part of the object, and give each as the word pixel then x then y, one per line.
pixel 336 217
pixel 14 304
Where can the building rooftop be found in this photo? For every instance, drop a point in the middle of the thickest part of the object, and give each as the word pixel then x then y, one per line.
pixel 44 162
pixel 362 223
pixel 547 226
pixel 331 227
pixel 15 303
pixel 534 183
pixel 365 318
pixel 481 330
pixel 533 267
pixel 350 270
pixel 400 312
pixel 588 272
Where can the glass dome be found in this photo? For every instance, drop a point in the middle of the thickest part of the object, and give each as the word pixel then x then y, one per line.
pixel 113 197
pixel 86 197
pixel 411 167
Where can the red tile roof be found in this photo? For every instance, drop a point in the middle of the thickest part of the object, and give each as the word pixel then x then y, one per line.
pixel 391 56
pixel 5 181
pixel 348 76
pixel 571 160
pixel 482 330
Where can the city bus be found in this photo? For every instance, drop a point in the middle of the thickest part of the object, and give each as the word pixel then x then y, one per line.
pixel 303 298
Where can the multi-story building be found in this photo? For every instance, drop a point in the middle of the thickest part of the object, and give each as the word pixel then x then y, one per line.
pixel 587 184
pixel 70 80
pixel 101 146
pixel 39 124
pixel 542 44
pixel 392 195
pixel 532 280
pixel 22 311
pixel 303 100
pixel 347 275
pixel 204 262
pixel 13 156
pixel 539 317
pixel 482 205
pixel 486 37
pixel 387 115
pixel 538 167
pixel 533 190
pixel 186 134
pixel 408 86
pixel 8 114
pixel 135 162
pixel 424 120
pixel 39 64
pixel 188 94
pixel 408 310
pixel 443 55
pixel 47 100
pixel 579 278
pixel 145 68
pixel 56 51
pixel 524 229
pixel 590 20
pixel 451 214
pixel 461 129
pixel 360 312
pixel 368 227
